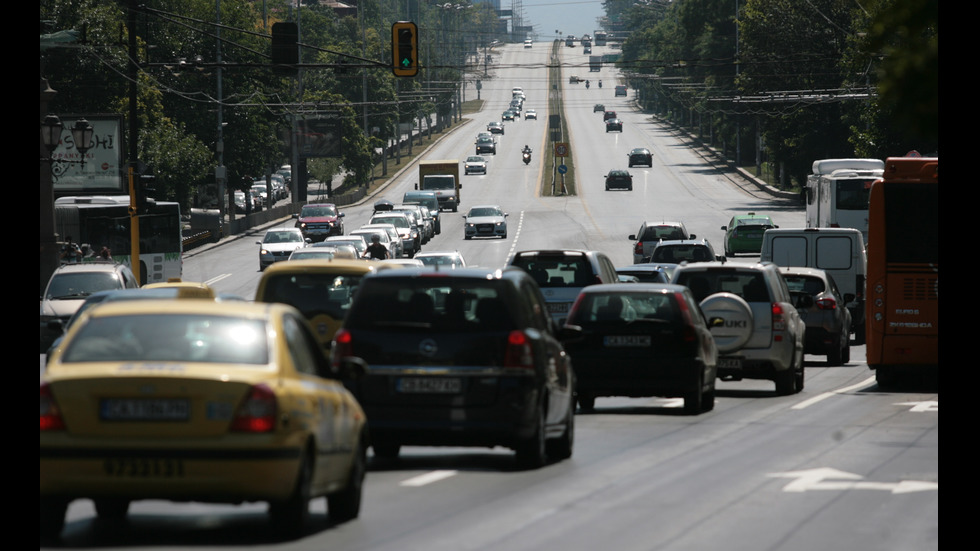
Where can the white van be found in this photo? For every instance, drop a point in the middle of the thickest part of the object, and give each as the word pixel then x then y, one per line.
pixel 838 251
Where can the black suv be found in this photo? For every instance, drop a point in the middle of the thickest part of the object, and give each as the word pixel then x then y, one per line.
pixel 467 357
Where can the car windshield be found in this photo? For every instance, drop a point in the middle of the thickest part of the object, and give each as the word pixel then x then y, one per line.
pixel 317 212
pixel 308 253
pixel 170 338
pixel 81 284
pixel 601 308
pixel 484 211
pixel 443 260
pixel 283 237
pixel 425 304
pixel 474 159
pixel 667 233
pixel 314 294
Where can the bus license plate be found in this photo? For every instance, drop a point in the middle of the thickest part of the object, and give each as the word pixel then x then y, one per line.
pixel 626 340
pixel 429 385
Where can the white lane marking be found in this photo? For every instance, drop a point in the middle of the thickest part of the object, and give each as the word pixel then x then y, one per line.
pixel 427 478
pixel 517 235
pixel 820 397
pixel 216 279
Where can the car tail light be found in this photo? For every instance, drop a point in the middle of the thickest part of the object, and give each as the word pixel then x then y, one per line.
pixel 257 413
pixel 638 248
pixel 827 303
pixel 50 414
pixel 519 352
pixel 778 320
pixel 342 347
pixel 687 334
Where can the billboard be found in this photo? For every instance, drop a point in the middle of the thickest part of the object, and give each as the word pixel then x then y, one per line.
pixel 102 169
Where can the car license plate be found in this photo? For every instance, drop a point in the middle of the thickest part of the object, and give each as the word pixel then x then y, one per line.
pixel 558 307
pixel 429 385
pixel 144 409
pixel 626 340
pixel 730 363
pixel 143 467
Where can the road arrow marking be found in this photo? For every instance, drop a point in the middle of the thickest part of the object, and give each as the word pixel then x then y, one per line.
pixel 928 405
pixel 817 479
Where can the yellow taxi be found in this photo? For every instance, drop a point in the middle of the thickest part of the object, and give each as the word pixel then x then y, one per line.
pixel 321 289
pixel 182 401
pixel 185 289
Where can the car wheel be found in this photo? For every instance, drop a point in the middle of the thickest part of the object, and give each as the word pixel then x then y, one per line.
pixel 708 399
pixel 692 400
pixel 111 509
pixel 607 188
pixel 346 504
pixel 561 448
pixel 847 353
pixel 586 401
pixel 53 511
pixel 289 517
pixel 467 237
pixel 859 336
pixel 786 382
pixel 531 452
pixel 386 451
pixel 835 356
pixel 630 188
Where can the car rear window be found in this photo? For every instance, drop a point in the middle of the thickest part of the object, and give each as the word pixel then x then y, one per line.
pixel 804 284
pixel 170 338
pixel 437 303
pixel 667 233
pixel 680 253
pixel 558 271
pixel 749 285
pixel 312 293
pixel 602 308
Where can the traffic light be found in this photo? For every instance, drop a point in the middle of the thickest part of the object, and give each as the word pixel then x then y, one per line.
pixel 405 49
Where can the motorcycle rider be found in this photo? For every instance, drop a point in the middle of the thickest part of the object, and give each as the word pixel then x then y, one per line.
pixel 526 154
pixel 600 83
pixel 586 84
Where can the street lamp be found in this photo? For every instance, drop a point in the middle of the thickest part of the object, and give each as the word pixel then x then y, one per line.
pixel 81 135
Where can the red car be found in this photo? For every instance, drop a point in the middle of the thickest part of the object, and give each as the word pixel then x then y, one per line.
pixel 318 221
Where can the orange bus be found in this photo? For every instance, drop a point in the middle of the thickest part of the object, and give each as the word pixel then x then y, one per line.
pixel 902 306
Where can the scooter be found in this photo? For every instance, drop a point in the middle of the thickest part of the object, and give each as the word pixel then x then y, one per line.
pixel 527 157
pixel 586 85
pixel 600 84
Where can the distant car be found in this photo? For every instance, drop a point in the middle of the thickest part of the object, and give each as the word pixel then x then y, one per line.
pixel 70 285
pixel 562 273
pixel 640 156
pixel 648 273
pixel 683 250
pixel 461 357
pixel 278 244
pixel 531 114
pixel 744 233
pixel 318 221
pixel 646 238
pixel 763 334
pixel 182 401
pixel 508 115
pixel 822 307
pixel 475 164
pixel 528 43
pixel 574 79
pixel 606 115
pixel 321 290
pixel 310 253
pixel 495 127
pixel 619 179
pixel 485 221
pixel 614 125
pixel 486 145
pixel 451 260
pixel 356 241
pixel 620 91
pixel 598 108
pixel 641 339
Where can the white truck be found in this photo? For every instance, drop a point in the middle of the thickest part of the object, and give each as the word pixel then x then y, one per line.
pixel 837 193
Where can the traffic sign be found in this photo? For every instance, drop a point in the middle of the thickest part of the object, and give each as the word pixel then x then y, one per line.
pixel 561 149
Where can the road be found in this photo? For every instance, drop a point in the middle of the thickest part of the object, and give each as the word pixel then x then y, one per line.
pixel 841 465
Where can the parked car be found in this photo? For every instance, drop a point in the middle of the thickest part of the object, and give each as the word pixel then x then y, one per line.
pixel 683 250
pixel 641 339
pixel 619 179
pixel 278 244
pixel 763 334
pixel 650 233
pixel 485 221
pixel 475 164
pixel 318 221
pixel 821 305
pixel 561 275
pixel 640 156
pixel 744 232
pixel 217 425
pixel 69 286
pixel 465 357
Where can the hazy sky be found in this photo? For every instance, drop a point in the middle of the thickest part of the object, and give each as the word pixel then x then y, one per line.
pixel 575 17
